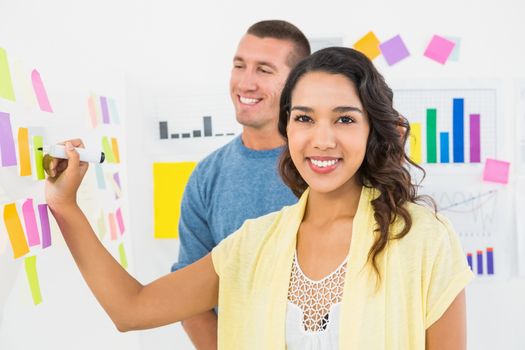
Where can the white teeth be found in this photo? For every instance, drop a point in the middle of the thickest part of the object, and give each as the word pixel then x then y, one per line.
pixel 323 163
pixel 248 101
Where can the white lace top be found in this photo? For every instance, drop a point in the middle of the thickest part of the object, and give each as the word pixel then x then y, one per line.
pixel 314 307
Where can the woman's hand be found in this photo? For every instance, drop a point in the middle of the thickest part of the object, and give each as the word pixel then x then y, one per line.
pixel 64 176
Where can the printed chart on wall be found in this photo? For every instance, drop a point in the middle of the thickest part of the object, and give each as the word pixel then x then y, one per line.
pixel 455 137
pixel 191 125
pixel 41 105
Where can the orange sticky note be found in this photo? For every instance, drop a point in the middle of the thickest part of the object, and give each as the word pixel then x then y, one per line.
pixel 15 231
pixel 116 153
pixel 23 152
pixel 368 45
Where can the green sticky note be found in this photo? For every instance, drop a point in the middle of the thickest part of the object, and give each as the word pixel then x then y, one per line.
pixel 108 151
pixel 32 278
pixel 38 142
pixel 6 84
pixel 123 259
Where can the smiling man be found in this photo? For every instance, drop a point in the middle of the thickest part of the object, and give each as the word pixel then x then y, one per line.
pixel 240 180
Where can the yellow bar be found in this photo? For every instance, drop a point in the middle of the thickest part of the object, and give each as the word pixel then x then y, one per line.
pixel 116 153
pixel 415 142
pixel 32 278
pixel 169 181
pixel 15 231
pixel 23 152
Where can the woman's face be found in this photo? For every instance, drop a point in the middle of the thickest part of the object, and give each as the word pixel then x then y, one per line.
pixel 327 132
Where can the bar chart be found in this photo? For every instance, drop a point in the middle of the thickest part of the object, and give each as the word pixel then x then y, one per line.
pixel 449 126
pixel 482 261
pixel 205 131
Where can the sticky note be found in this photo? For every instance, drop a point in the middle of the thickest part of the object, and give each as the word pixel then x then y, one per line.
pixel 44 225
pixel 38 142
pixel 120 221
pixel 32 279
pixel 496 171
pixel 15 231
pixel 113 111
pixel 114 147
pixel 101 224
pixel 101 182
pixel 439 49
pixel 33 236
pixel 122 254
pixel 40 92
pixel 115 185
pixel 92 109
pixel 23 152
pixel 108 151
pixel 7 144
pixel 394 50
pixel 112 226
pixel 368 45
pixel 169 181
pixel 116 177
pixel 6 84
pixel 104 109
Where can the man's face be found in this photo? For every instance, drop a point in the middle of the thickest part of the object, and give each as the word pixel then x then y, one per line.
pixel 257 79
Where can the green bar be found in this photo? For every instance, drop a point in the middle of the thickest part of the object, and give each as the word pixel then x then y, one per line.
pixel 431 136
pixel 38 142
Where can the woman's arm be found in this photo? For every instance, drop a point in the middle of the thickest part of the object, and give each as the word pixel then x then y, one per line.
pixel 129 304
pixel 450 331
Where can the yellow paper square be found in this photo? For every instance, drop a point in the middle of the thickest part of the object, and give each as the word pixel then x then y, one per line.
pixel 368 45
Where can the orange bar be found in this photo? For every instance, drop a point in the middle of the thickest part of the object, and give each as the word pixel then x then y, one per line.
pixel 15 231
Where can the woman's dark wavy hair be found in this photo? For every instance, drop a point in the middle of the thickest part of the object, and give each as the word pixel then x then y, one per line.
pixel 385 166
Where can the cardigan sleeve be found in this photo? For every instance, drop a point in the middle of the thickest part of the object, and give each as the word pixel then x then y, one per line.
pixel 449 273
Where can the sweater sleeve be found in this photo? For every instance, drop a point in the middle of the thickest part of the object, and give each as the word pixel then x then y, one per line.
pixel 449 273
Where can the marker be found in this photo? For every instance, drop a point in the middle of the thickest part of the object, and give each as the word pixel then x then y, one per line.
pixel 59 151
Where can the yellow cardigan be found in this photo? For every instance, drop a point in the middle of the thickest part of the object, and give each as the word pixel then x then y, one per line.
pixel 421 274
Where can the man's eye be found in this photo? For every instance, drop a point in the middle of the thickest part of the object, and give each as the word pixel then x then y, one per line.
pixel 265 71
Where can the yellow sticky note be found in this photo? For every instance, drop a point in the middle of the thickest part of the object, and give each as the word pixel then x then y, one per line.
pixel 6 84
pixel 108 151
pixel 415 142
pixel 15 231
pixel 368 45
pixel 169 181
pixel 122 254
pixel 114 147
pixel 32 278
pixel 23 152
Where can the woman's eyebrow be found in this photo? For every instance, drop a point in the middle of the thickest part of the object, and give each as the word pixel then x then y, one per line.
pixel 302 109
pixel 342 109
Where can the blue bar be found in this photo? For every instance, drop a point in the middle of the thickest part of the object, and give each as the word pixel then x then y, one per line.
pixel 469 261
pixel 444 148
pixel 479 264
pixel 458 130
pixel 490 261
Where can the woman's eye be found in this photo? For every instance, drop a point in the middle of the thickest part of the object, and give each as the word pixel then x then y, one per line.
pixel 302 118
pixel 345 120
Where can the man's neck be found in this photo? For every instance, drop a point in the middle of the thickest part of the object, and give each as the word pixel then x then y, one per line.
pixel 260 140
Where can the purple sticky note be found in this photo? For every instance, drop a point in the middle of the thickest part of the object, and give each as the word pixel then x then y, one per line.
pixel 439 49
pixel 7 143
pixel 496 171
pixel 104 107
pixel 44 224
pixel 120 221
pixel 33 237
pixel 394 50
pixel 117 179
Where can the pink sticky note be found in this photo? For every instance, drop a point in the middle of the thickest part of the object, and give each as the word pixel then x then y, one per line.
pixel 439 49
pixel 44 224
pixel 112 226
pixel 92 111
pixel 33 237
pixel 7 143
pixel 120 221
pixel 40 91
pixel 496 171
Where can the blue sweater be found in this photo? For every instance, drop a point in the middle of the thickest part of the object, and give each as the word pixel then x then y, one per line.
pixel 232 184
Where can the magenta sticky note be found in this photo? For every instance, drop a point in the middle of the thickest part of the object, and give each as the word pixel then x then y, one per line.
pixel 33 237
pixel 394 50
pixel 439 49
pixel 120 221
pixel 44 225
pixel 496 171
pixel 40 91
pixel 7 143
